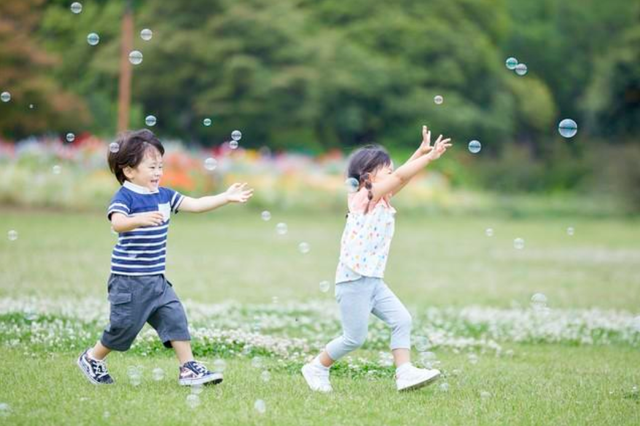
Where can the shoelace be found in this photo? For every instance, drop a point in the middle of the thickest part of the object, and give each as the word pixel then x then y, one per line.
pixel 99 368
pixel 197 367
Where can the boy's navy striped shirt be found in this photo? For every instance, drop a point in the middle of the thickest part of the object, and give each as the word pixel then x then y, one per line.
pixel 142 251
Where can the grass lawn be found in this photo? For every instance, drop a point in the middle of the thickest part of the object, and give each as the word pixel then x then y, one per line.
pixel 443 262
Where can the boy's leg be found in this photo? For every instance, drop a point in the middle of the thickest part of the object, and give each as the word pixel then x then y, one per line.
pixel 99 351
pixel 183 350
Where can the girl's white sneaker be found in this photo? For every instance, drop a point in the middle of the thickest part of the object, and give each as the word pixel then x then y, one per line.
pixel 317 377
pixel 414 378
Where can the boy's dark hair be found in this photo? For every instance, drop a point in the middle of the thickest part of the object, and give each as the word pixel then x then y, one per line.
pixel 363 162
pixel 131 149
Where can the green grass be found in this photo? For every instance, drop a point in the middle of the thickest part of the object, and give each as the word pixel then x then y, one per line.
pixel 234 255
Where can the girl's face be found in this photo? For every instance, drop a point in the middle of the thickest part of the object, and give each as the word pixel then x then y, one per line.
pixel 148 173
pixel 381 172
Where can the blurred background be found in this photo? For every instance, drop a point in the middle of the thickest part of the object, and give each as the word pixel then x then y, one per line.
pixel 307 81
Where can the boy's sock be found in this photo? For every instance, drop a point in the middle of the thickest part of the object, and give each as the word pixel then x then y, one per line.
pixel 316 363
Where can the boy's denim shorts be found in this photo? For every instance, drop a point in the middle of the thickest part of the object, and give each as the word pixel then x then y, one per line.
pixel 136 300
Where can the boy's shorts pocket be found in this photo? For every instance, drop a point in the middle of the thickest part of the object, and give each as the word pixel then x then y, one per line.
pixel 120 316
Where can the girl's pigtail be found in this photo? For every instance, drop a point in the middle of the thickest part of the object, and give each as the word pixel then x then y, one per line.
pixel 366 179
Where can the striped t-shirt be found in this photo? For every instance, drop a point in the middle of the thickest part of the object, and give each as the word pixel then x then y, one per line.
pixel 143 250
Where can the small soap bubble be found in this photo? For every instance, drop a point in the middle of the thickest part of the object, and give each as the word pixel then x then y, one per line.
pixel 265 215
pixel 265 376
pixel 114 147
pixel 443 387
pixel 474 147
pixel 538 301
pixel 568 128
pixel 106 415
pixel 325 286
pixel 197 389
pixel 210 164
pixel 56 169
pixel 489 232
pixel 421 343
pixel 260 406
pixel 635 325
pixel 150 120
pixel 438 100
pixel 76 7
pixel 275 300
pixel 472 358
pixel 352 185
pixel 206 122
pixel 428 359
pixel 5 409
pixel 236 135
pixel 30 106
pixel 518 243
pixel 485 395
pixel 93 39
pixel 304 248
pixel 70 137
pixel 233 144
pixel 135 57
pixel 521 69
pixel 146 34
pixel 509 353
pixel 570 231
pixel 256 362
pixel 219 365
pixel 158 374
pixel 135 380
pixel 5 96
pixel 281 228
pixel 511 63
pixel 193 400
pixel 13 235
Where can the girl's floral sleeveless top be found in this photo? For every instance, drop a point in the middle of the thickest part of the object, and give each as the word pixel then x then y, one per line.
pixel 366 239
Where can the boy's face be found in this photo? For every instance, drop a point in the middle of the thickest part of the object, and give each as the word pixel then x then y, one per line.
pixel 148 173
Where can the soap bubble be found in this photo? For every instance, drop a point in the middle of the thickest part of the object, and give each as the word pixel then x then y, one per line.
pixel 325 286
pixel 281 228
pixel 135 57
pixel 265 376
pixel 135 380
pixel 193 400
pixel 485 395
pixel 538 301
pixel 158 374
pixel 509 353
pixel 352 185
pixel 428 359
pixel 518 243
pixel 93 39
pixel 421 343
pixel 304 248
pixel 76 7
pixel 5 96
pixel 114 147
pixel 106 415
pixel 265 215
pixel 511 63
pixel 521 69
pixel 489 232
pixel 30 106
pixel 260 406
pixel 275 300
pixel 5 409
pixel 70 137
pixel 206 122
pixel 236 135
pixel 636 324
pixel 233 144
pixel 197 389
pixel 12 235
pixel 474 147
pixel 568 128
pixel 150 120
pixel 219 365
pixel 56 169
pixel 472 358
pixel 256 362
pixel 438 100
pixel 146 34
pixel 443 387
pixel 210 163
pixel 570 231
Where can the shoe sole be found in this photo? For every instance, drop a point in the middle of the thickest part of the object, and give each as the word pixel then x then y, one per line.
pixel 421 384
pixel 304 374
pixel 87 375
pixel 213 379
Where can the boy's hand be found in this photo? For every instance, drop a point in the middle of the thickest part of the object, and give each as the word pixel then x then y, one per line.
pixel 239 193
pixel 439 148
pixel 150 219
pixel 425 146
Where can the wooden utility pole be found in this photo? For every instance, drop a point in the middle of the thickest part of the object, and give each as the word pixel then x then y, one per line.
pixel 124 94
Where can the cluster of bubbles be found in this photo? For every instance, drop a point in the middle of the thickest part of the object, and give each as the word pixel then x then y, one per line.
pixel 150 120
pixel 438 100
pixel 5 96
pixel 474 146
pixel 513 65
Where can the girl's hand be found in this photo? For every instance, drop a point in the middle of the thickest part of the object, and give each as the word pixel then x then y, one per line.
pixel 439 148
pixel 239 193
pixel 425 146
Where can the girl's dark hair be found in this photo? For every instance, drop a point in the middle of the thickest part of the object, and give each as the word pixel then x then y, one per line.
pixel 363 162
pixel 131 149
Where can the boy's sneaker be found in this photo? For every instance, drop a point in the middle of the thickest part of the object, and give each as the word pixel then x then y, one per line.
pixel 413 378
pixel 194 373
pixel 95 370
pixel 317 377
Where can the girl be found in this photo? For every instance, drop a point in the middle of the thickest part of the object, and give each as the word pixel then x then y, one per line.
pixel 365 243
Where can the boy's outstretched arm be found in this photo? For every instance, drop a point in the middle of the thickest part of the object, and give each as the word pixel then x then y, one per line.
pixel 122 223
pixel 237 193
